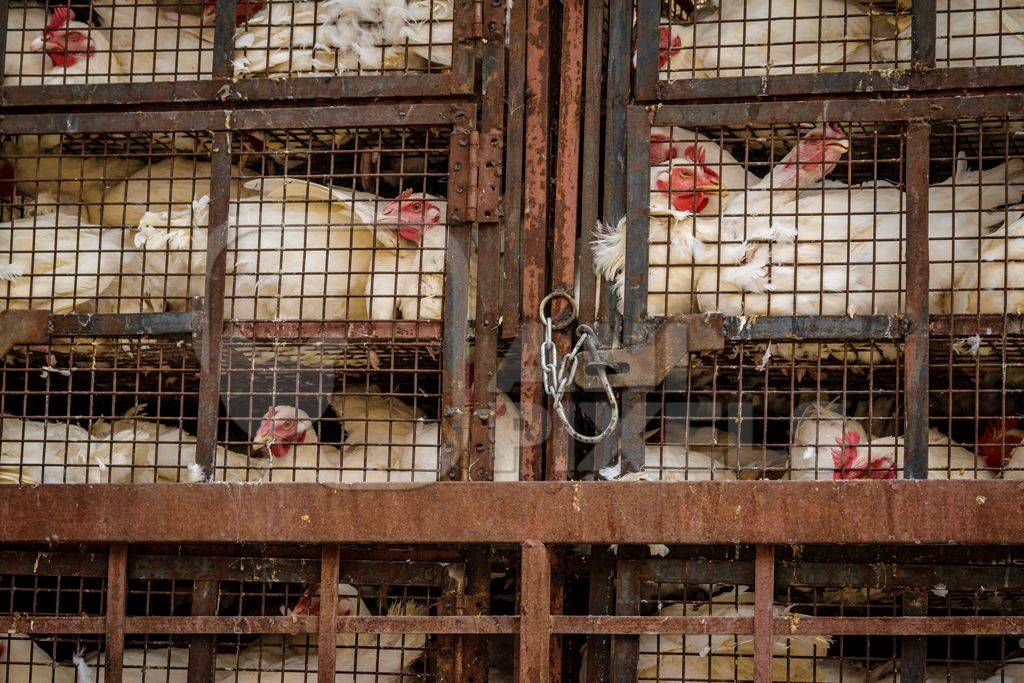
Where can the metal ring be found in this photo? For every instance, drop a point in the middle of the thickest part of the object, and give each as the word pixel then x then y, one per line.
pixel 558 294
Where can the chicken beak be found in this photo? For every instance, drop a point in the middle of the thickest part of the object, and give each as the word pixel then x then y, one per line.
pixel 713 188
pixel 39 44
pixel 260 451
pixel 842 145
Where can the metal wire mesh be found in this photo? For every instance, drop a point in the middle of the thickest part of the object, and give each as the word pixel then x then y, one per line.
pixel 124 41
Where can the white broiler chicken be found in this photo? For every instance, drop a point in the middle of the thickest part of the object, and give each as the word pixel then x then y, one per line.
pixel 153 43
pixel 34 452
pixel 686 245
pixel 22 661
pixel 846 259
pixel 146 451
pixel 170 664
pixel 973 33
pixel 22 64
pixel 725 447
pixel 57 262
pixel 408 275
pixel 854 456
pixel 995 284
pixel 286 434
pixel 77 52
pixel 343 36
pixel 680 143
pixel 296 250
pixel 671 462
pixel 167 185
pixel 1012 671
pixel 770 37
pixel 728 657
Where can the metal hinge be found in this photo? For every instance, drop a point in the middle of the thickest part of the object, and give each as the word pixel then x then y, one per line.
pixel 667 341
pixel 475 181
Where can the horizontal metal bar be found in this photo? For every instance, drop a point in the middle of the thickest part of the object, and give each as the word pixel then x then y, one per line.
pixel 375 330
pixel 786 327
pixel 850 82
pixel 619 625
pixel 895 576
pixel 552 512
pixel 370 115
pixel 926 108
pixel 986 324
pixel 29 624
pixel 225 91
pixel 798 624
pixel 122 325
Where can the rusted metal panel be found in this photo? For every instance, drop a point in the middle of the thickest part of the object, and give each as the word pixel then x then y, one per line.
pixel 327 639
pixel 625 649
pixel 922 30
pixel 601 602
pixel 499 512
pixel 764 599
pixel 535 614
pixel 915 350
pixel 117 598
pixel 23 327
pixel 511 248
pixel 536 186
pixel 646 49
pixel 224 39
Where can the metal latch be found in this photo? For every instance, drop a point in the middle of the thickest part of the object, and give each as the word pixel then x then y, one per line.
pixel 667 341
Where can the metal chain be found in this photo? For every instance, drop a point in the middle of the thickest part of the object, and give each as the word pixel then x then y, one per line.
pixel 558 373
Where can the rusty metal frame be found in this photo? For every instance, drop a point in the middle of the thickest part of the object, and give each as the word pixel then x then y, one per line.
pixel 923 76
pixel 221 88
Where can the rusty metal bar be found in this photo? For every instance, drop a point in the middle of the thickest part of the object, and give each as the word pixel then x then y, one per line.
pixel 774 327
pixel 462 70
pixel 535 231
pixel 224 39
pixel 213 304
pixel 356 330
pixel 511 262
pixel 634 401
pixel 648 19
pixel 5 6
pixel 627 625
pixel 764 599
pixel 602 582
pixel 126 324
pixel 566 212
pixel 625 651
pixel 534 652
pixel 925 108
pixel 775 512
pixel 202 649
pixel 916 346
pixel 327 640
pixel 117 599
pixel 922 34
pixel 473 649
pixel 798 625
pixel 914 648
pixel 453 461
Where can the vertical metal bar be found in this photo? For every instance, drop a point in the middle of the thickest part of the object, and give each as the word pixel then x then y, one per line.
pixel 224 39
pixel 455 351
pixel 533 654
pixel 535 232
pixel 202 650
pixel 511 300
pixel 488 257
pixel 914 649
pixel 620 19
pixel 602 577
pixel 213 304
pixel 478 587
pixel 648 15
pixel 915 461
pixel 764 599
pixel 117 599
pixel 922 28
pixel 5 6
pixel 567 170
pixel 327 635
pixel 626 649
pixel 461 74
pixel 590 197
pixel 634 312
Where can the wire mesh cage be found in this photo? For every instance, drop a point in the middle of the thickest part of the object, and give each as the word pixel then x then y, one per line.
pixel 168 589
pixel 117 42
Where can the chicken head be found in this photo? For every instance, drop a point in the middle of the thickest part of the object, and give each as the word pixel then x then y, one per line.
pixel 998 441
pixel 813 158
pixel 282 428
pixel 65 41
pixel 686 184
pixel 413 214
pixel 851 464
pixel 668 46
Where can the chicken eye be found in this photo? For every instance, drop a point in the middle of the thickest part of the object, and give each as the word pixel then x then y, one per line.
pixel 416 206
pixel 288 424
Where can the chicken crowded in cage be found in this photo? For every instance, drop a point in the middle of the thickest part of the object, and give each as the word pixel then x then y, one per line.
pixel 132 41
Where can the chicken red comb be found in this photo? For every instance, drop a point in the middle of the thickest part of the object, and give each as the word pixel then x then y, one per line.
pixel 60 18
pixel 406 193
pixel 697 155
pixel 850 438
